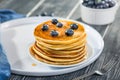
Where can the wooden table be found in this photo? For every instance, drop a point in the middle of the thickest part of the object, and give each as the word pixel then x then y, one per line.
pixel 71 9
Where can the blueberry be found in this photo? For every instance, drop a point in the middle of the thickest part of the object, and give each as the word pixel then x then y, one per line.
pixel 111 3
pixel 74 26
pixel 101 6
pixel 54 21
pixel 59 24
pixel 106 5
pixel 54 33
pixel 102 2
pixel 45 27
pixel 44 14
pixel 97 3
pixel 90 3
pixel 85 1
pixel 69 32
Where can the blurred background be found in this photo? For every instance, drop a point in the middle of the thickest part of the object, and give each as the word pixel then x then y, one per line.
pixel 59 8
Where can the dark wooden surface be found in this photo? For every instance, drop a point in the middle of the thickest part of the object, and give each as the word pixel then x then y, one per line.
pixel 63 8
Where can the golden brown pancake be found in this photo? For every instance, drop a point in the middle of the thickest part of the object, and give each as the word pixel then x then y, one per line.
pixel 77 44
pixel 60 52
pixel 62 37
pixel 55 62
pixel 51 54
pixel 61 49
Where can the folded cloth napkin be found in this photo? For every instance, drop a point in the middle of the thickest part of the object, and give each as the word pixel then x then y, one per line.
pixel 4 66
pixel 5 15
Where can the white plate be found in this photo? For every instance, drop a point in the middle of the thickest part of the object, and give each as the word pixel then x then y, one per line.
pixel 17 36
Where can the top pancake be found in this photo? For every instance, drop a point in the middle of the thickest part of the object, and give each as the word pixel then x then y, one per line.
pixel 45 35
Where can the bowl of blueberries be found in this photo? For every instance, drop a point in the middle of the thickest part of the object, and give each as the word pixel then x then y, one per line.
pixel 98 12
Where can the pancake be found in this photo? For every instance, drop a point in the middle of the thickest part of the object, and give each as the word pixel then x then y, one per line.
pixel 59 52
pixel 59 42
pixel 64 47
pixel 78 43
pixel 51 54
pixel 45 35
pixel 59 59
pixel 39 58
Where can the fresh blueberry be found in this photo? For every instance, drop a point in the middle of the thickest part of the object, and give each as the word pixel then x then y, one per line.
pixel 97 2
pixel 106 5
pixel 90 3
pixel 54 33
pixel 85 1
pixel 101 6
pixel 54 21
pixel 45 27
pixel 44 14
pixel 102 2
pixel 74 26
pixel 69 32
pixel 59 24
pixel 111 3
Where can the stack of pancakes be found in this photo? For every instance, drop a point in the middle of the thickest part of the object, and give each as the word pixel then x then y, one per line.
pixel 61 49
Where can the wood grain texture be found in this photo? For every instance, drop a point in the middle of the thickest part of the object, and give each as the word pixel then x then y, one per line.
pixel 20 6
pixel 62 9
pixel 58 7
